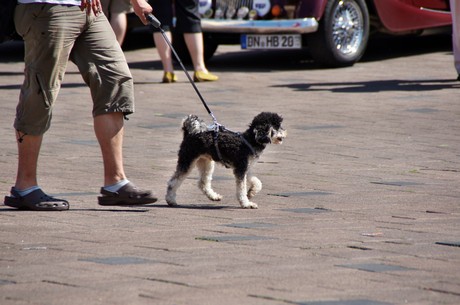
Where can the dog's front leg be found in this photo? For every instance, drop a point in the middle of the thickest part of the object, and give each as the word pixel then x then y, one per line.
pixel 242 193
pixel 255 186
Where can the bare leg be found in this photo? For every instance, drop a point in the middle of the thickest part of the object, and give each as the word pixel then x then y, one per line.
pixel 26 194
pixel 119 23
pixel 164 50
pixel 28 151
pixel 194 42
pixel 109 133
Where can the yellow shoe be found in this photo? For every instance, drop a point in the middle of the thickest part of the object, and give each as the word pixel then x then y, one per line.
pixel 169 77
pixel 201 76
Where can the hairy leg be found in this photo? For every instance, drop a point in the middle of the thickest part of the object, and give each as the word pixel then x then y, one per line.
pixel 109 133
pixel 28 151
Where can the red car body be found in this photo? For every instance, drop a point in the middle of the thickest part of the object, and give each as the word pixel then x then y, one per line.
pixel 335 31
pixel 395 15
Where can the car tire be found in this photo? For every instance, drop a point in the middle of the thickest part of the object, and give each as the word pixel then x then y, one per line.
pixel 210 46
pixel 179 45
pixel 342 21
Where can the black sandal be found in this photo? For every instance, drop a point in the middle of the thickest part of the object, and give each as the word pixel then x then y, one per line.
pixel 35 201
pixel 128 194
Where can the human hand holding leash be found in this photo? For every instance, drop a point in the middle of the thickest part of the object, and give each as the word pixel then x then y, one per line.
pixel 142 9
pixel 153 20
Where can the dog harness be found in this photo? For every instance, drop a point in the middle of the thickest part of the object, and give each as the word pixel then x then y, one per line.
pixel 216 129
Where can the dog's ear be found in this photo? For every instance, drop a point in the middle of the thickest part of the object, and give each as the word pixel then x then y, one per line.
pixel 269 118
pixel 276 120
pixel 262 134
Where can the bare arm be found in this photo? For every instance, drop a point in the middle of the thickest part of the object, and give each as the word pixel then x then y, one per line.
pixel 141 8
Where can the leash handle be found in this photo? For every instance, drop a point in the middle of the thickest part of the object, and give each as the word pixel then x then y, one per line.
pixel 153 20
pixel 157 24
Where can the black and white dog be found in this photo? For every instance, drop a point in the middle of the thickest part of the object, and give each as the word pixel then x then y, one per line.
pixel 203 146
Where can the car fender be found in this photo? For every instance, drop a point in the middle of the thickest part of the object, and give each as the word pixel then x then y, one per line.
pixel 308 8
pixel 399 16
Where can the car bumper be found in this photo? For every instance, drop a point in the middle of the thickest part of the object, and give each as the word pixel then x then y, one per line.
pixel 291 26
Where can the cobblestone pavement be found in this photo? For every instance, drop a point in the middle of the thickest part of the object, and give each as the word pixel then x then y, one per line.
pixel 360 205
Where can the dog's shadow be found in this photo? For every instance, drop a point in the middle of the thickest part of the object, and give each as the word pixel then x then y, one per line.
pixel 198 206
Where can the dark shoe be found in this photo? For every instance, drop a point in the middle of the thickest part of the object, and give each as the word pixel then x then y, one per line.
pixel 128 194
pixel 458 77
pixel 35 201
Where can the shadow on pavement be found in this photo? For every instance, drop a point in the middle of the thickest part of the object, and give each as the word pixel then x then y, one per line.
pixel 375 86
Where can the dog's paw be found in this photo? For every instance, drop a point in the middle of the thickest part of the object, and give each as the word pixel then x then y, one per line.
pixel 171 201
pixel 212 195
pixel 249 205
pixel 215 197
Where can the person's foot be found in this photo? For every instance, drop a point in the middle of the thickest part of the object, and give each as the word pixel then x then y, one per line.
pixel 35 201
pixel 169 77
pixel 128 194
pixel 202 76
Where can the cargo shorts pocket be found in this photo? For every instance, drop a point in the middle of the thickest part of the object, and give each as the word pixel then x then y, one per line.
pixel 25 16
pixel 44 90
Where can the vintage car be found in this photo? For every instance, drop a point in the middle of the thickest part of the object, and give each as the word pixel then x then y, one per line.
pixel 335 32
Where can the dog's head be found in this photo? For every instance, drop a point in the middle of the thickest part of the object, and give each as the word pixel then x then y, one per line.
pixel 267 128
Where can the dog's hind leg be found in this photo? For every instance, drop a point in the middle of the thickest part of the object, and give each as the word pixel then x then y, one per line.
pixel 206 168
pixel 182 171
pixel 173 184
pixel 255 186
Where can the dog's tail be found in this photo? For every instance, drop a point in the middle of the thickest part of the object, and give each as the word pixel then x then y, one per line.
pixel 193 125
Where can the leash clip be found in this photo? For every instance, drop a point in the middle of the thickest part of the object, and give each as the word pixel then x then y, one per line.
pixel 215 126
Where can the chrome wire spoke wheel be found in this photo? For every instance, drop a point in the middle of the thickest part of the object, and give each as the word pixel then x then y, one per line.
pixel 347 27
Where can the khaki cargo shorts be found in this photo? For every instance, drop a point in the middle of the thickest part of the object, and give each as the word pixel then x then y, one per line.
pixel 53 34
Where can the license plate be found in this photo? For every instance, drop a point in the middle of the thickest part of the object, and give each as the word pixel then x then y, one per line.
pixel 289 41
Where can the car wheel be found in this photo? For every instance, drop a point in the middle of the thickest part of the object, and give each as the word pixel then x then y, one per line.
pixel 210 46
pixel 179 45
pixel 342 35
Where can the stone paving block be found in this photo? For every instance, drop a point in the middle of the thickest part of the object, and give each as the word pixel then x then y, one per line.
pixel 359 205
pixel 346 302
